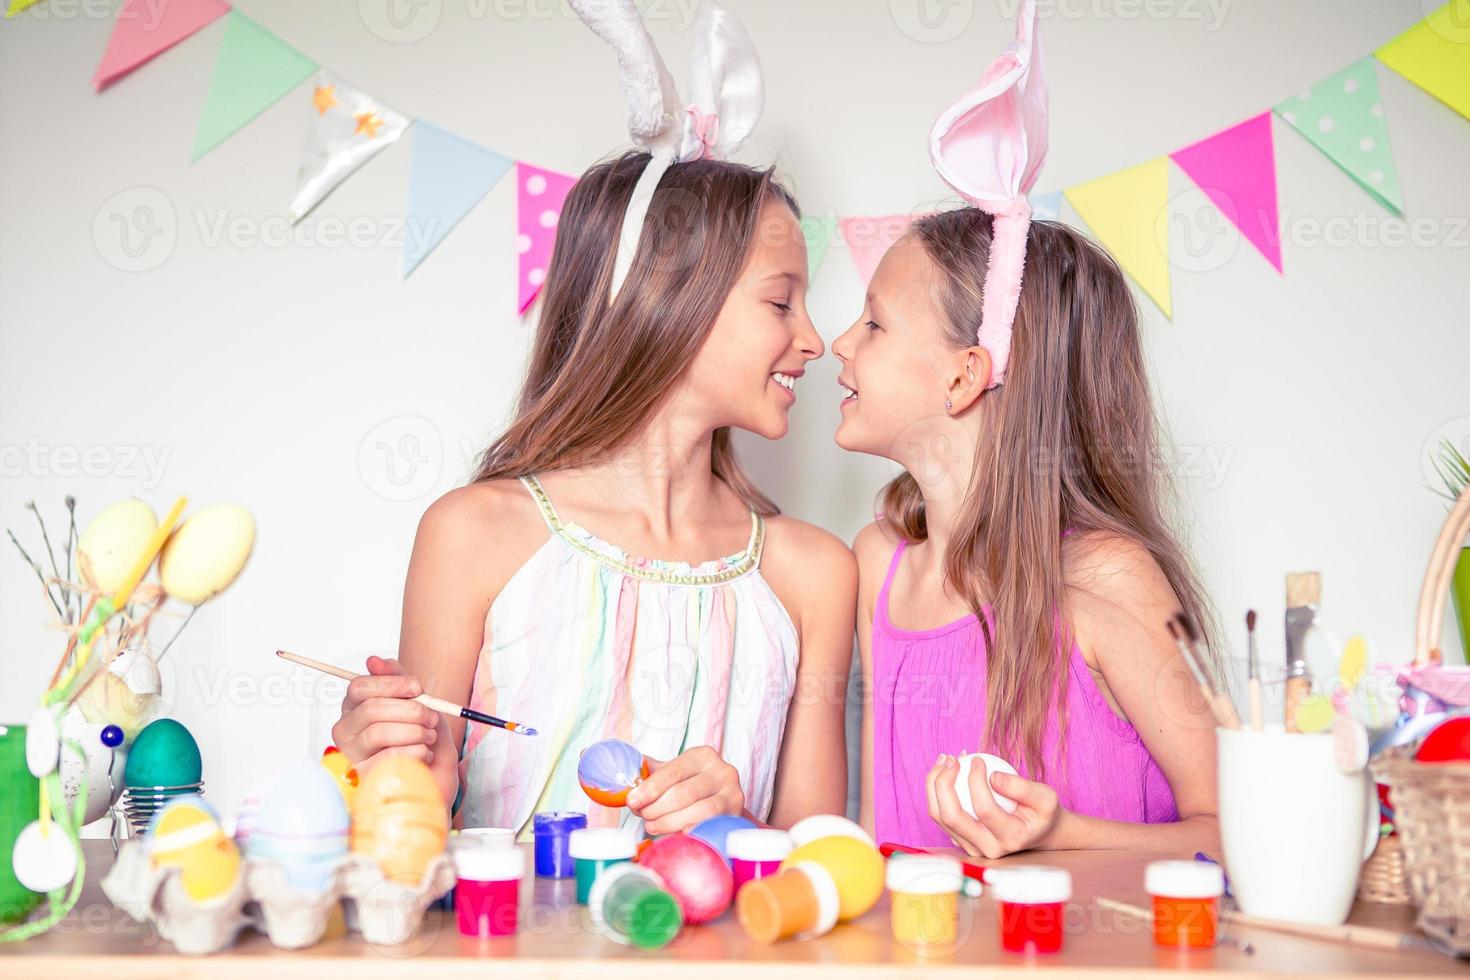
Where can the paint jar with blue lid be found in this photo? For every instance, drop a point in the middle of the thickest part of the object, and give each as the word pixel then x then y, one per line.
pixel 594 851
pixel 553 832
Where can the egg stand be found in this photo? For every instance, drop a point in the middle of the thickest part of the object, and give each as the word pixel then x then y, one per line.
pixel 69 823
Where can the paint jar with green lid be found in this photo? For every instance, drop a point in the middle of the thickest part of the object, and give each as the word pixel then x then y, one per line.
pixel 20 802
pixel 593 851
pixel 630 904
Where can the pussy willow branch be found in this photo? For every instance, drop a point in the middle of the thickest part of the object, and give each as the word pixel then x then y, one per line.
pixel 39 574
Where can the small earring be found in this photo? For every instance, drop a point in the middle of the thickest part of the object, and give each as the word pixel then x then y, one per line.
pixel 948 404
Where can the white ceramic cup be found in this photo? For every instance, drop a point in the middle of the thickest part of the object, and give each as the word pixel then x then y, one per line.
pixel 1295 827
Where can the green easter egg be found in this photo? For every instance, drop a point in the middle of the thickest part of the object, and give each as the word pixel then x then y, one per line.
pixel 163 754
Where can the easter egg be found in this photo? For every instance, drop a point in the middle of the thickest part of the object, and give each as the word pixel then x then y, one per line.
pixel 992 764
pixel 206 552
pixel 249 809
pixel 163 754
pixel 115 540
pixel 715 830
pixel 1449 741
pixel 400 819
pixel 186 835
pixel 302 823
pixel 44 857
pixel 820 825
pixel 695 872
pixel 335 762
pixel 610 768
pixel 92 766
pixel 127 693
pixel 855 866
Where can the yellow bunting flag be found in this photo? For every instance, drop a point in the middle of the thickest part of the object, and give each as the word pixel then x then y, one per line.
pixel 16 6
pixel 1127 212
pixel 1434 54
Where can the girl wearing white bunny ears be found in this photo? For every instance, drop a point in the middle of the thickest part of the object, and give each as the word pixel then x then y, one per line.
pixel 673 311
pixel 999 361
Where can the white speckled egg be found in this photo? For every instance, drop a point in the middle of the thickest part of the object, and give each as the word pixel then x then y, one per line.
pixel 116 539
pixel 93 769
pixel 206 552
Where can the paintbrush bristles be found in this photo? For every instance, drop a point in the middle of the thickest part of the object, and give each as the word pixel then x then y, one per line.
pixel 1303 589
pixel 1250 620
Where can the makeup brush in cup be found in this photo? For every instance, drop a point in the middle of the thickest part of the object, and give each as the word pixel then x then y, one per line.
pixel 1253 669
pixel 427 700
pixel 1220 704
pixel 1303 592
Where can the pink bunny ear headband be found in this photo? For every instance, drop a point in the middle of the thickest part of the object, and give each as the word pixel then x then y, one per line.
pixel 989 146
pixel 725 90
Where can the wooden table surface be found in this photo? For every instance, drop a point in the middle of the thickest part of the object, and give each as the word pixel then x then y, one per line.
pixel 99 942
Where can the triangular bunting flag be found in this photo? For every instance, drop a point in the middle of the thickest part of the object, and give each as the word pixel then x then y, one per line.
pixel 868 238
pixel 1236 168
pixel 539 197
pixel 346 128
pixel 1434 54
pixel 449 175
pixel 818 232
pixel 1343 118
pixel 1125 210
pixel 253 71
pixel 143 29
pixel 1047 207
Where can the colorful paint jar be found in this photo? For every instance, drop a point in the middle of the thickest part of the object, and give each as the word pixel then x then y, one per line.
pixel 924 906
pixel 1031 902
pixel 594 851
pixel 631 905
pixel 801 901
pixel 487 896
pixel 553 833
pixel 754 854
pixel 1186 898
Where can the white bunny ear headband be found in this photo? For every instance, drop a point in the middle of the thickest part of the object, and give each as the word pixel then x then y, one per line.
pixel 989 146
pixel 725 90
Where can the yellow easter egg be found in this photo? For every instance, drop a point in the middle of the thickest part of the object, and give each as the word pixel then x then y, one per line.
pixel 1314 714
pixel 1354 662
pixel 186 836
pixel 855 865
pixel 206 552
pixel 115 540
pixel 344 774
pixel 399 818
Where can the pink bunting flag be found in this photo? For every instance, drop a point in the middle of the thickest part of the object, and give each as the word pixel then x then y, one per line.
pixel 539 197
pixel 868 238
pixel 143 29
pixel 1236 168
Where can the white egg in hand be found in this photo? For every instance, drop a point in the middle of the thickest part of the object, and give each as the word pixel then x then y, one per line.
pixel 992 764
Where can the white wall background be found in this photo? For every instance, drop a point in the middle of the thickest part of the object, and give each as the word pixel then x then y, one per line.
pixel 303 377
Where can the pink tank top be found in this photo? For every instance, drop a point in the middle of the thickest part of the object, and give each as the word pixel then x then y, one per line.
pixel 929 697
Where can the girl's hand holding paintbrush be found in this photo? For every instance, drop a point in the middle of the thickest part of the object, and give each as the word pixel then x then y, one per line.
pixel 380 717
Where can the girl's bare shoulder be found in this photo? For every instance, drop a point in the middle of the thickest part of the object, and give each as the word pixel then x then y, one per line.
pixel 808 566
pixel 484 531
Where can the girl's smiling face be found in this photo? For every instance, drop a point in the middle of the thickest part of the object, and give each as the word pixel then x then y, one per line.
pixel 746 371
pixel 898 366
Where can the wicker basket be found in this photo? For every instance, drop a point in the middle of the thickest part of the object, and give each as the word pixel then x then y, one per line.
pixel 1431 801
pixel 1385 878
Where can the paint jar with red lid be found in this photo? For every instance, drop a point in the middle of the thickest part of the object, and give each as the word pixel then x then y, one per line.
pixel 1186 900
pixel 1030 901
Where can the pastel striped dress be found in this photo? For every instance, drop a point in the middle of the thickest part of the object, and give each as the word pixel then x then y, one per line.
pixel 588 642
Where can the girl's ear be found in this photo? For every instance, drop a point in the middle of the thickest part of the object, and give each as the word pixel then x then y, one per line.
pixel 970 379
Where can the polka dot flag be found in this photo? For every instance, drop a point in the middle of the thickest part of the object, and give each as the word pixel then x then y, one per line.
pixel 539 197
pixel 1342 116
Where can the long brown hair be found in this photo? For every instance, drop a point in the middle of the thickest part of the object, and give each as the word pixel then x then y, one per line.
pixel 1069 441
pixel 598 371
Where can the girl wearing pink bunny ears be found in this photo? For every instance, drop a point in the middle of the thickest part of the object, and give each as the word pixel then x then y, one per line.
pixel 1014 590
